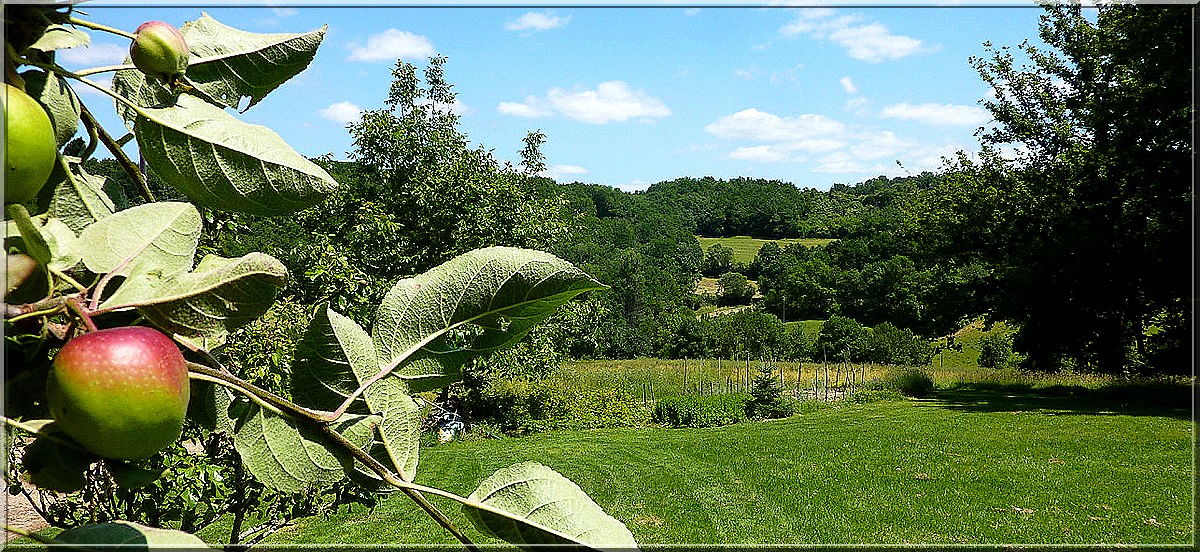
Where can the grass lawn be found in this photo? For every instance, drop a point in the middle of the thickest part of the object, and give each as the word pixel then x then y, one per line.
pixel 971 466
pixel 746 248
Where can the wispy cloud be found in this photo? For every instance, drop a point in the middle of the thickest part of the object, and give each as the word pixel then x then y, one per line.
pixel 938 114
pixel 825 144
pixel 391 45
pixel 342 112
pixel 92 55
pixel 848 85
pixel 608 102
pixel 537 21
pixel 564 172
pixel 871 42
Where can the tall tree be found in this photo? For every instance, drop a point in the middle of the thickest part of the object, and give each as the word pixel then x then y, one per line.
pixel 1082 196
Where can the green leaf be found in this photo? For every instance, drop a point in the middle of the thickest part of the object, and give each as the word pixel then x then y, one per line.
pixel 129 476
pixel 531 504
pixel 400 427
pixel 220 162
pixel 55 466
pixel 156 238
pixel 497 293
pixel 36 245
pixel 335 356
pixel 130 536
pixel 64 245
pixel 227 64
pixel 61 37
pixel 215 407
pixel 204 305
pixel 79 199
pixel 331 359
pixel 289 456
pixel 250 65
pixel 49 240
pixel 58 99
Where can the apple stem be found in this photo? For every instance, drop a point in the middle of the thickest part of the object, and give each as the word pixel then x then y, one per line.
pixel 74 304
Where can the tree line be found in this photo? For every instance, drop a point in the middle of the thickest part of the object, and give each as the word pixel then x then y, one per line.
pixel 1071 223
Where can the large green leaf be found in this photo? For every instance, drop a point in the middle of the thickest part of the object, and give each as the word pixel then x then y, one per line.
pixel 289 456
pixel 58 99
pixel 155 240
pixel 227 64
pixel 79 199
pixel 531 504
pixel 220 162
pixel 61 37
pixel 206 304
pixel 332 360
pixel 487 299
pixel 247 65
pixel 128 536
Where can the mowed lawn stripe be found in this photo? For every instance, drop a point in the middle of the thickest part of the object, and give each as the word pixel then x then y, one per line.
pixel 972 468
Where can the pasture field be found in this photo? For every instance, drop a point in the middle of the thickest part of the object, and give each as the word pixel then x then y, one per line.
pixel 975 465
pixel 746 248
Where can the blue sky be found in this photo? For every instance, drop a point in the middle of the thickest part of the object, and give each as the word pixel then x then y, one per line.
pixel 632 96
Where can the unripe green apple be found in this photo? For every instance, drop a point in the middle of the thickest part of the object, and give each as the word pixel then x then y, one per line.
pixel 159 51
pixel 121 393
pixel 30 148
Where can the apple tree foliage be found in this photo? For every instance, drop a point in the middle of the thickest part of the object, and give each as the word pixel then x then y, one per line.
pixel 78 262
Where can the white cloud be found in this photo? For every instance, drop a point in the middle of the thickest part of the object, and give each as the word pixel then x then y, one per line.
pixel 825 145
pixel 285 12
pixel 92 55
pixel 878 145
pixel 766 127
pixel 103 79
pixel 938 114
pixel 610 101
pixel 564 172
pixel 767 153
pixel 537 21
pixel 342 112
pixel 531 107
pixel 857 105
pixel 848 85
pixel 391 45
pixel 864 41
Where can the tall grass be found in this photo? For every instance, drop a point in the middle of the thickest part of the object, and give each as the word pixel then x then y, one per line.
pixel 649 379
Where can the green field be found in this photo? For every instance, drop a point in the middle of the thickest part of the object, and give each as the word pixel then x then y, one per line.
pixel 973 466
pixel 745 248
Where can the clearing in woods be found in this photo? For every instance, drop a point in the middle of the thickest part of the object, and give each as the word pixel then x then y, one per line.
pixel 746 248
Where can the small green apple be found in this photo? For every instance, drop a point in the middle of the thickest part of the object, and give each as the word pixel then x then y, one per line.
pixel 121 393
pixel 30 149
pixel 159 51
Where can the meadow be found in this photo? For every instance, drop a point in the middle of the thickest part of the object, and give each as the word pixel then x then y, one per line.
pixel 978 464
pixel 746 248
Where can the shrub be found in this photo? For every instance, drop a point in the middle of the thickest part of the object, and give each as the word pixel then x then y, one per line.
pixel 767 398
pixel 995 350
pixel 911 382
pixel 701 411
pixel 523 407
